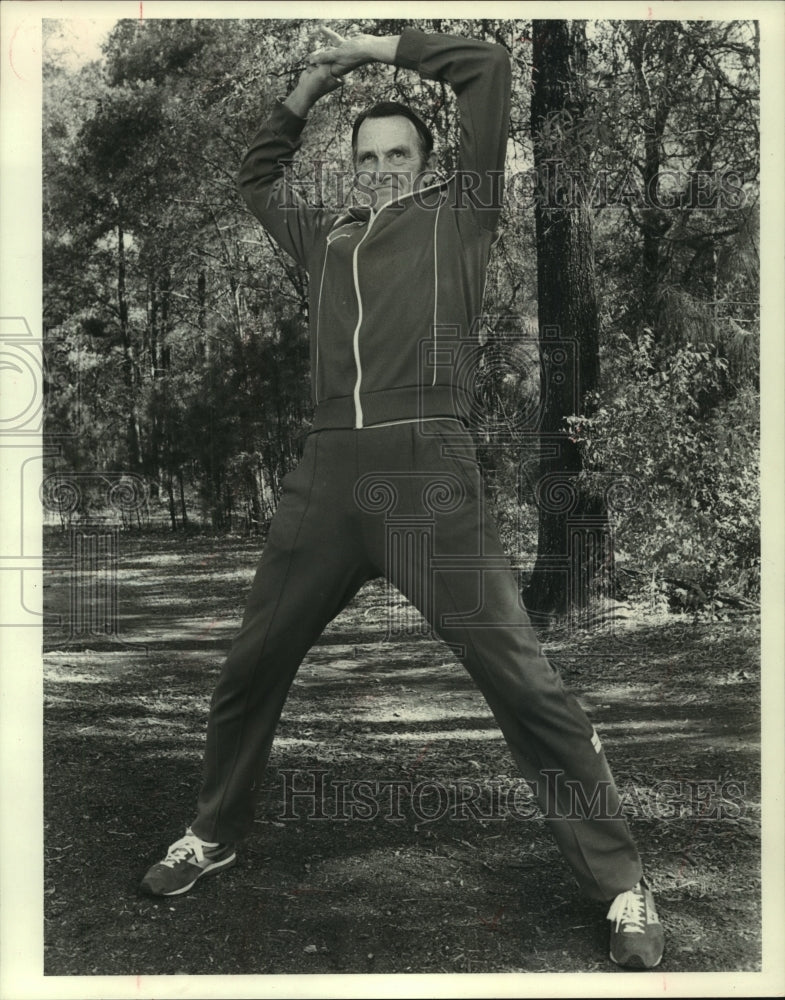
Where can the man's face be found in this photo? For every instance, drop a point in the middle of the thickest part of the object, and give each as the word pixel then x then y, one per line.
pixel 388 158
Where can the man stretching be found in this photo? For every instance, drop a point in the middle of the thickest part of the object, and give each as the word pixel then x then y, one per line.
pixel 395 289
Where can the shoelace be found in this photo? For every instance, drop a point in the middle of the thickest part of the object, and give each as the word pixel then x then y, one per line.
pixel 181 849
pixel 629 908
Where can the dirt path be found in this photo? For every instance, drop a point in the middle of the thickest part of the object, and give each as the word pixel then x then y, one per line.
pixel 422 855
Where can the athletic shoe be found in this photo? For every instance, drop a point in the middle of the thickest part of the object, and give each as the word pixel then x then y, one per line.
pixel 186 861
pixel 637 940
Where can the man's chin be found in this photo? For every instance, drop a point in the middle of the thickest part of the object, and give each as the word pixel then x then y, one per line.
pixel 384 194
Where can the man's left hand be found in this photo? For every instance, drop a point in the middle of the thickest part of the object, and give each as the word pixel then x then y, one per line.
pixel 347 53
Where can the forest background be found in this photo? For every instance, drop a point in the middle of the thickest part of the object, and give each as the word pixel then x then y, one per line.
pixel 176 330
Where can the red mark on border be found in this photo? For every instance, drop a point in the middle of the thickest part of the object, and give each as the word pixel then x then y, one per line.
pixel 493 923
pixel 209 628
pixel 141 13
pixel 421 757
pixel 11 53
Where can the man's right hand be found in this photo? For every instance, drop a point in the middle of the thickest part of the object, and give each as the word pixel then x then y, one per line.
pixel 327 65
pixel 319 80
pixel 315 81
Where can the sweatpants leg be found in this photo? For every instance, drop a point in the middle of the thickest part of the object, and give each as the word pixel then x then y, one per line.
pixel 350 494
pixel 311 567
pixel 468 593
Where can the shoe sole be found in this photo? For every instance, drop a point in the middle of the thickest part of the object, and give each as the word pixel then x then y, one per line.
pixel 213 869
pixel 638 966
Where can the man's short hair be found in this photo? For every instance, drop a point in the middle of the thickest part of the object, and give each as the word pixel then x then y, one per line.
pixel 390 109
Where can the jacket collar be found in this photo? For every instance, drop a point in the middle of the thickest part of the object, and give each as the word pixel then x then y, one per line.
pixel 361 213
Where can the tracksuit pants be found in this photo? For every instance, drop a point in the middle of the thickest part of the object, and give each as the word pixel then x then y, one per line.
pixel 405 501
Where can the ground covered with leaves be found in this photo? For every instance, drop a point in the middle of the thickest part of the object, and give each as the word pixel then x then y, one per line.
pixel 411 881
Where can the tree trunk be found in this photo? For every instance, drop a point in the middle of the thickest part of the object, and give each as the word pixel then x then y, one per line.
pixel 255 489
pixel 572 541
pixel 201 297
pixel 217 499
pixel 183 511
pixel 170 495
pixel 129 361
pixel 154 456
pixel 653 222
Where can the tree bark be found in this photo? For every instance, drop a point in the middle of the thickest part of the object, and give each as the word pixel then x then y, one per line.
pixel 183 510
pixel 572 539
pixel 653 223
pixel 129 361
pixel 170 495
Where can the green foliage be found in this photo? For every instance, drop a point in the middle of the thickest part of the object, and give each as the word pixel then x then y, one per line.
pixel 171 319
pixel 696 513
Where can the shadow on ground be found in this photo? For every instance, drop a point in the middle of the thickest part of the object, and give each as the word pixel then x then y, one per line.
pixel 405 883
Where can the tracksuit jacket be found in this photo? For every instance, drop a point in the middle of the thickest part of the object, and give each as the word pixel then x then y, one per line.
pixel 378 355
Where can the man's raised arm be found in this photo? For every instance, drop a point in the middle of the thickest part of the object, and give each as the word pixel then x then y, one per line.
pixel 261 180
pixel 288 219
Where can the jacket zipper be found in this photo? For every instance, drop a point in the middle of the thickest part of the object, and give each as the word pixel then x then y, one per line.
pixel 358 410
pixel 435 290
